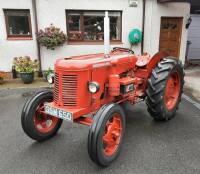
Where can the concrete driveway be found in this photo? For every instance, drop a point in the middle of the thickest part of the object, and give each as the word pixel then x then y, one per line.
pixel 149 147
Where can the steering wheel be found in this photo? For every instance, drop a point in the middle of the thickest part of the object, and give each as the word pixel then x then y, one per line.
pixel 122 49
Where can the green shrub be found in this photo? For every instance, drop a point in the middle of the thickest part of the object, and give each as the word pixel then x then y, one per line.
pixel 47 72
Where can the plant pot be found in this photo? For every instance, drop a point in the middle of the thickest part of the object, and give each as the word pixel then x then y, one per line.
pixel 45 76
pixel 27 78
pixel 1 80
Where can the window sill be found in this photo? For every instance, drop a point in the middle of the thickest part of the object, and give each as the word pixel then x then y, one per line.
pixel 92 43
pixel 19 38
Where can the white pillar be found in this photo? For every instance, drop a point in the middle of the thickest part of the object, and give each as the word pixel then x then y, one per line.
pixel 106 35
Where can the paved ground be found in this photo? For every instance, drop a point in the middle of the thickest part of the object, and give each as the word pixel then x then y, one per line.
pixel 17 84
pixel 149 147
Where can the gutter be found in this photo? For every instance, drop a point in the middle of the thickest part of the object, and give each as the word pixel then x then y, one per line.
pixel 143 26
pixel 163 1
pixel 36 30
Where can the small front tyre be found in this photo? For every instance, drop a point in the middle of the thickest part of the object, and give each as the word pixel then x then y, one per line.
pixel 35 123
pixel 106 134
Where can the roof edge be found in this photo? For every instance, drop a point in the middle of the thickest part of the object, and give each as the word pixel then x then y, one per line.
pixel 163 1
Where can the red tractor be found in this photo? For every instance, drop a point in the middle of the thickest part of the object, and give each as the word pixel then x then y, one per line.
pixel 93 89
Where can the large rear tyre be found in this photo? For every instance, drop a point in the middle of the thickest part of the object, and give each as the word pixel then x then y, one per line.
pixel 106 135
pixel 165 88
pixel 35 123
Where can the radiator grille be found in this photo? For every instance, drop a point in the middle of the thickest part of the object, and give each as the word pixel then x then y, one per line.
pixel 56 88
pixel 68 88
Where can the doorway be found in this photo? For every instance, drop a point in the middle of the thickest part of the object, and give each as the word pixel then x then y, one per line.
pixel 170 35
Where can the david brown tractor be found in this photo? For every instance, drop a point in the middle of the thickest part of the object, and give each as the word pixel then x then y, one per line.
pixel 93 89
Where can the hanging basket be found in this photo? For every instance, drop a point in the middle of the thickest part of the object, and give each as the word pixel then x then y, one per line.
pixel 51 37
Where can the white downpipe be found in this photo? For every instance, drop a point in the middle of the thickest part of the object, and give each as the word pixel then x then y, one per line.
pixel 106 35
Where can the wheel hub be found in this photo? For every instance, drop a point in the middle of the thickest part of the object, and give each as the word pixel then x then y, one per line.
pixel 44 123
pixel 112 135
pixel 172 91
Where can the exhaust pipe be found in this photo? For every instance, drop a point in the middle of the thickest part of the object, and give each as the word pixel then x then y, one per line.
pixel 106 35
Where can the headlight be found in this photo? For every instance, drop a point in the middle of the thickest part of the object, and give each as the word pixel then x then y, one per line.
pixel 50 78
pixel 93 87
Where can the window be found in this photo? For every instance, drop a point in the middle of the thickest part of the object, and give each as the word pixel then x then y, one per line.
pixel 88 26
pixel 18 23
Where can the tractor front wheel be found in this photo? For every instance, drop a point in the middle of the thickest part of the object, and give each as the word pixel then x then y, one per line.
pixel 106 134
pixel 165 88
pixel 37 124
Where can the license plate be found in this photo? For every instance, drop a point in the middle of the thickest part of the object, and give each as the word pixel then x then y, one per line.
pixel 58 112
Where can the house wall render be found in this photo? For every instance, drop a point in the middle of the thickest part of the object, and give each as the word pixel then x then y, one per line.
pixel 51 11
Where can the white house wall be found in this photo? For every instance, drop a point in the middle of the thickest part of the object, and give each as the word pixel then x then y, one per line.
pixel 154 12
pixel 12 48
pixel 55 13
pixel 52 11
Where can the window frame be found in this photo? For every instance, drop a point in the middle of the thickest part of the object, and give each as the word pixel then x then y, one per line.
pixel 18 36
pixel 95 42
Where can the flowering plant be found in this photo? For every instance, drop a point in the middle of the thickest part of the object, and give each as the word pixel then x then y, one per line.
pixel 2 76
pixel 51 37
pixel 25 64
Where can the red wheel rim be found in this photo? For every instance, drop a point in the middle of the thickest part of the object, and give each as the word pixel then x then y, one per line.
pixel 172 91
pixel 43 122
pixel 112 135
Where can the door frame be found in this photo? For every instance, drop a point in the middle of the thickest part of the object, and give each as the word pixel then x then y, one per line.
pixel 181 30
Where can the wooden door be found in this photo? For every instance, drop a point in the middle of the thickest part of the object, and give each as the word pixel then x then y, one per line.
pixel 170 35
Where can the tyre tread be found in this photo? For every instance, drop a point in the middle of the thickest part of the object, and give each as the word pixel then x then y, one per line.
pixel 156 87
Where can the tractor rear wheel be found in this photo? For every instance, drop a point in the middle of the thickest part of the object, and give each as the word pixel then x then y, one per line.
pixel 106 134
pixel 35 123
pixel 165 88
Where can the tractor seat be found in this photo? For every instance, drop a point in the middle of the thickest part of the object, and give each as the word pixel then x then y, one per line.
pixel 143 60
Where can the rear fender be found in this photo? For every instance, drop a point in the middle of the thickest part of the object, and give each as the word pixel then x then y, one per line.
pixel 155 60
pixel 145 66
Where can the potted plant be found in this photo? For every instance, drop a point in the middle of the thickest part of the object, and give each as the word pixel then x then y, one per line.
pixel 47 72
pixel 26 67
pixel 2 76
pixel 51 37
